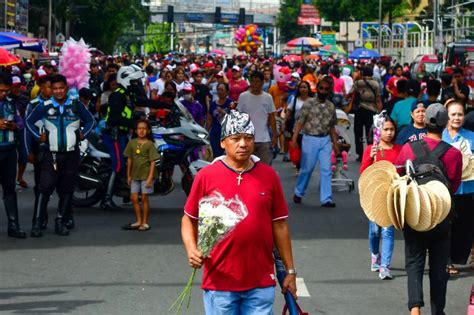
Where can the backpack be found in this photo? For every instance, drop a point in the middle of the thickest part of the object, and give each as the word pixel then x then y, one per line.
pixel 427 164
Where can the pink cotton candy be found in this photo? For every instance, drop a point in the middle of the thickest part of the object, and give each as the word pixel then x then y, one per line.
pixel 75 62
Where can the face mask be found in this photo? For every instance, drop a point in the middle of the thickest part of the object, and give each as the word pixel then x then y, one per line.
pixel 27 76
pixel 187 97
pixel 168 95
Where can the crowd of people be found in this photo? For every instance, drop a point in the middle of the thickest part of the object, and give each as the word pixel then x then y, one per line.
pixel 291 105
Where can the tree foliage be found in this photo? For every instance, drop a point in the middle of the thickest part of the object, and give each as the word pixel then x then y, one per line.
pixel 100 23
pixel 157 38
pixel 337 11
pixel 287 20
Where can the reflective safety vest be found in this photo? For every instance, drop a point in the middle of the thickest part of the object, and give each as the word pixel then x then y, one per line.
pixel 7 111
pixel 126 112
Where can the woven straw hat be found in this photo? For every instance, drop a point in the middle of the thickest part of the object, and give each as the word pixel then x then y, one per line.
pixel 426 213
pixel 365 195
pixel 436 207
pixel 381 170
pixel 412 212
pixel 392 205
pixel 379 206
pixel 468 167
pixel 402 197
pixel 443 193
pixel 374 204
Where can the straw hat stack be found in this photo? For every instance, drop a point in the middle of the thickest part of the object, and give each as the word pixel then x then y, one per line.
pixel 388 199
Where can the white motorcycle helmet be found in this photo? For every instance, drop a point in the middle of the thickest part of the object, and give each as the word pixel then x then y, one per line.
pixel 126 74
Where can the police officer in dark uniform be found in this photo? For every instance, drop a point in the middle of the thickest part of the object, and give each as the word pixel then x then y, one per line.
pixel 8 156
pixel 35 152
pixel 62 117
pixel 119 122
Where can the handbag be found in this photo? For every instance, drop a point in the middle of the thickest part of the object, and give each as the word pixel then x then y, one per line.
pixel 290 122
pixel 295 153
pixel 354 103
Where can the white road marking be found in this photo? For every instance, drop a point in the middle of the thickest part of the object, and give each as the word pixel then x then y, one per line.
pixel 302 289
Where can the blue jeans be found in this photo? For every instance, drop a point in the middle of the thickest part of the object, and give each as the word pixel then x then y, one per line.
pixel 314 149
pixel 251 302
pixel 388 241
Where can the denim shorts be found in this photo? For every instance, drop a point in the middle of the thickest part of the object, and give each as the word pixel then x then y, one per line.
pixel 251 302
pixel 138 186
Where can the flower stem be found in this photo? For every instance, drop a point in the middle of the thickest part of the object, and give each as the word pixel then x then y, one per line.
pixel 178 303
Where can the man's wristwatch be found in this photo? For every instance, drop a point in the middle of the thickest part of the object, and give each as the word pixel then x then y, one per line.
pixel 291 272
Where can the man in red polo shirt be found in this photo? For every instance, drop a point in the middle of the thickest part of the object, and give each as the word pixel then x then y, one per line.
pixel 232 282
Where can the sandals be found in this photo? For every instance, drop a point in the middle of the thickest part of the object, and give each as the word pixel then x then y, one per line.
pixel 131 226
pixel 22 184
pixel 452 270
pixel 144 227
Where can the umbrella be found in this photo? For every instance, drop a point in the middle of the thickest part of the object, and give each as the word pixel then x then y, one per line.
pixel 364 53
pixel 217 52
pixel 333 49
pixel 304 41
pixel 7 59
pixel 21 42
pixel 315 57
pixel 292 58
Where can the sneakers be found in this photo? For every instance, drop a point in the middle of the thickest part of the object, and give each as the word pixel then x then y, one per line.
pixel 344 167
pixel 375 263
pixel 329 204
pixel 385 273
pixel 296 199
pixel 333 168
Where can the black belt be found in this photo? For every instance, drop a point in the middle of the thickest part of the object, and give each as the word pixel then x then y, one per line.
pixel 321 135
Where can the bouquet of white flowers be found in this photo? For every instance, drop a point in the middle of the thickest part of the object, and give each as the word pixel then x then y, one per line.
pixel 217 217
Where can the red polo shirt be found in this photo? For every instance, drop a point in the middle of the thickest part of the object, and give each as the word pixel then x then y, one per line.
pixel 244 259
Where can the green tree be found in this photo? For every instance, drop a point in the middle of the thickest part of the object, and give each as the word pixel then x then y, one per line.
pixel 100 23
pixel 157 38
pixel 287 20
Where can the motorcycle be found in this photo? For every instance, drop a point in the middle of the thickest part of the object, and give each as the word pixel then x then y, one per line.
pixel 175 140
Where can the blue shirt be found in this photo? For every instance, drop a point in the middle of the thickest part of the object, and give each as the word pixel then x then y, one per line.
pixel 466 187
pixel 401 112
pixel 410 134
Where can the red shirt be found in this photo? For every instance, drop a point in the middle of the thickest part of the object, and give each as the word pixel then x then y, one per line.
pixel 392 84
pixel 452 161
pixel 243 260
pixel 236 88
pixel 387 155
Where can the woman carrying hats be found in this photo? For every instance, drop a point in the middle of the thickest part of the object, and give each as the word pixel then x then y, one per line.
pixel 462 222
pixel 385 150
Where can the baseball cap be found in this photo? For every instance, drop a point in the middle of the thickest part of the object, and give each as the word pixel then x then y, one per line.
pixel 188 87
pixel 295 75
pixel 41 73
pixel 16 80
pixel 236 68
pixel 436 115
pixel 193 68
pixel 220 74
pixel 418 104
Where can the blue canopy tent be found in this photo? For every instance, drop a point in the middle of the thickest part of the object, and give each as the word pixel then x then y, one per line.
pixel 10 40
pixel 364 53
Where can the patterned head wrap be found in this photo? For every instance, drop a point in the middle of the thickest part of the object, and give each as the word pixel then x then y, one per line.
pixel 236 122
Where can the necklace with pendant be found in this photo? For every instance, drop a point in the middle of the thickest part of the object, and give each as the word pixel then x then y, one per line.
pixel 139 146
pixel 240 178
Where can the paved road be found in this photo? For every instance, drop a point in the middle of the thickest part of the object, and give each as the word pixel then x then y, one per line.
pixel 100 269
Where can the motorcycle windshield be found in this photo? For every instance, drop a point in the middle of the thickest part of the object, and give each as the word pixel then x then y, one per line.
pixel 183 110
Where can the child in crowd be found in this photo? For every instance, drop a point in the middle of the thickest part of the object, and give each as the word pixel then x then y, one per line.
pixel 141 154
pixel 386 150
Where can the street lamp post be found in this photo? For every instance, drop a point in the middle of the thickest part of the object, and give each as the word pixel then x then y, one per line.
pixel 380 28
